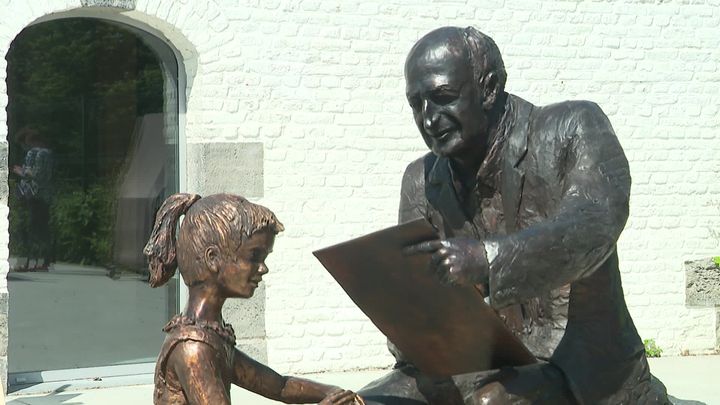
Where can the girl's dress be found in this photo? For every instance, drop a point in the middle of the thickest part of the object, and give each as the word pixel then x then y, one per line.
pixel 221 338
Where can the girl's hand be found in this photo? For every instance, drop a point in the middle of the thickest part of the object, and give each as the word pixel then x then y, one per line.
pixel 342 397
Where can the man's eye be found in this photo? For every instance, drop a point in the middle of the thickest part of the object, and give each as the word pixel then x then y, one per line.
pixel 414 102
pixel 443 98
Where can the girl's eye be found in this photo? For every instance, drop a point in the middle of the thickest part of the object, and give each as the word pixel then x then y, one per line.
pixel 257 256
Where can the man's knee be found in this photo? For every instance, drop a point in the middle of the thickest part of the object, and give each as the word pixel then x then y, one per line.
pixel 540 383
pixel 490 394
pixel 398 387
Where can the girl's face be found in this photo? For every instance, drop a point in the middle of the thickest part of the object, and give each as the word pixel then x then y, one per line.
pixel 241 270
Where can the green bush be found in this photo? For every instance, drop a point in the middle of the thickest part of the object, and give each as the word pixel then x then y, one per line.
pixel 651 348
pixel 83 224
pixel 716 259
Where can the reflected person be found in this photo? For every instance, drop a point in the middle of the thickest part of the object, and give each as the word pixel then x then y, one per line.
pixel 34 191
pixel 529 202
pixel 221 249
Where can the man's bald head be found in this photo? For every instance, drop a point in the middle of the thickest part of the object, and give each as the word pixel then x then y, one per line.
pixel 469 44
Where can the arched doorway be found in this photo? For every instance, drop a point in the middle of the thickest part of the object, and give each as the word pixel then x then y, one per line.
pixel 93 139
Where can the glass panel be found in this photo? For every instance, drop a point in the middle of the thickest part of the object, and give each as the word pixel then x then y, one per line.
pixel 92 118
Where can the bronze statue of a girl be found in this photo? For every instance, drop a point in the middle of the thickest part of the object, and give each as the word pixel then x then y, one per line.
pixel 221 249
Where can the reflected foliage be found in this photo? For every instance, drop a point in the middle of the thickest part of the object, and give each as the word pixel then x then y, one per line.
pixel 80 222
pixel 81 83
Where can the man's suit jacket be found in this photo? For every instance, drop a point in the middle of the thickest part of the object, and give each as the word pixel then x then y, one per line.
pixel 565 186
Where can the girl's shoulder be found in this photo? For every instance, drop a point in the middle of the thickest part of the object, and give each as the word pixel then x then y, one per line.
pixel 183 329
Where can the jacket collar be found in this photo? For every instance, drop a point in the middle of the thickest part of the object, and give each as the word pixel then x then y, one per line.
pixel 513 173
pixel 439 189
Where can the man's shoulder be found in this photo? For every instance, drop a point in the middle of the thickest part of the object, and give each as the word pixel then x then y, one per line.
pixel 420 166
pixel 568 110
pixel 568 119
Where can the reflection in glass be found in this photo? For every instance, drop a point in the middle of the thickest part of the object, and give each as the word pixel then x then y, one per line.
pixel 92 118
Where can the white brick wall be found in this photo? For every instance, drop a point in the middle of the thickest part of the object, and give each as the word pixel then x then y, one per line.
pixel 320 83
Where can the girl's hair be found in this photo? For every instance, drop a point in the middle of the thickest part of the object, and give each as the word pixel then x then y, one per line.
pixel 222 220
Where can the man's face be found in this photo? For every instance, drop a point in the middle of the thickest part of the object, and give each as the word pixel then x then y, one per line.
pixel 445 102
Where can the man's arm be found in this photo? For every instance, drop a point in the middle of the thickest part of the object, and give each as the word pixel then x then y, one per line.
pixel 583 230
pixel 576 239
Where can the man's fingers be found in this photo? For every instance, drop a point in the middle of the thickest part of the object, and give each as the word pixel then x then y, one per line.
pixel 442 269
pixel 449 272
pixel 423 247
pixel 437 257
pixel 343 397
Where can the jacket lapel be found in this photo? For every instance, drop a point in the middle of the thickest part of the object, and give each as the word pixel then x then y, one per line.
pixel 513 174
pixel 440 192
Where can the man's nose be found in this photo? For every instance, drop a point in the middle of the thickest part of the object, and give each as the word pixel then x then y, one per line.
pixel 430 115
pixel 263 269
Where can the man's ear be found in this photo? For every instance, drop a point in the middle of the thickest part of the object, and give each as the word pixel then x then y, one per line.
pixel 489 85
pixel 212 258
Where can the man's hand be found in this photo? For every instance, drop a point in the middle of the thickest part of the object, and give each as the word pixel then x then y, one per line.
pixel 342 397
pixel 455 260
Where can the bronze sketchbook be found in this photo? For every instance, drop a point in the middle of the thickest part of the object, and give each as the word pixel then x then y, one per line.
pixel 444 330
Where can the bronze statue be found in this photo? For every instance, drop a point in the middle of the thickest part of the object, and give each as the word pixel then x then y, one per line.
pixel 529 202
pixel 221 249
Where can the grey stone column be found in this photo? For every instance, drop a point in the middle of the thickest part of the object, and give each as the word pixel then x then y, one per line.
pixel 702 283
pixel 4 296
pixel 702 288
pixel 235 168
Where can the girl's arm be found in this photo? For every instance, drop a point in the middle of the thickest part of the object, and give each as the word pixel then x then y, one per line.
pixel 263 380
pixel 196 366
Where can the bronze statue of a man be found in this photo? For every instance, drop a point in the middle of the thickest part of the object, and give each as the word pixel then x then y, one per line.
pixel 221 250
pixel 529 202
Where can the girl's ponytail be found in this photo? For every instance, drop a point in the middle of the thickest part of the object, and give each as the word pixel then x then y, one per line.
pixel 161 249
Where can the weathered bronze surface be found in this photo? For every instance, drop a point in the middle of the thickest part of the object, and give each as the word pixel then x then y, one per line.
pixel 448 332
pixel 221 249
pixel 529 201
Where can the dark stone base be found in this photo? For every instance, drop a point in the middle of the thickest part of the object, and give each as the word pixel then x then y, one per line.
pixel 702 284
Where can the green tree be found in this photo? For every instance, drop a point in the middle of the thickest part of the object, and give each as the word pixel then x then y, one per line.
pixel 81 83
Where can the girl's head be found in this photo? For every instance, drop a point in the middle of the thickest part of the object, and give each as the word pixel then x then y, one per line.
pixel 223 237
